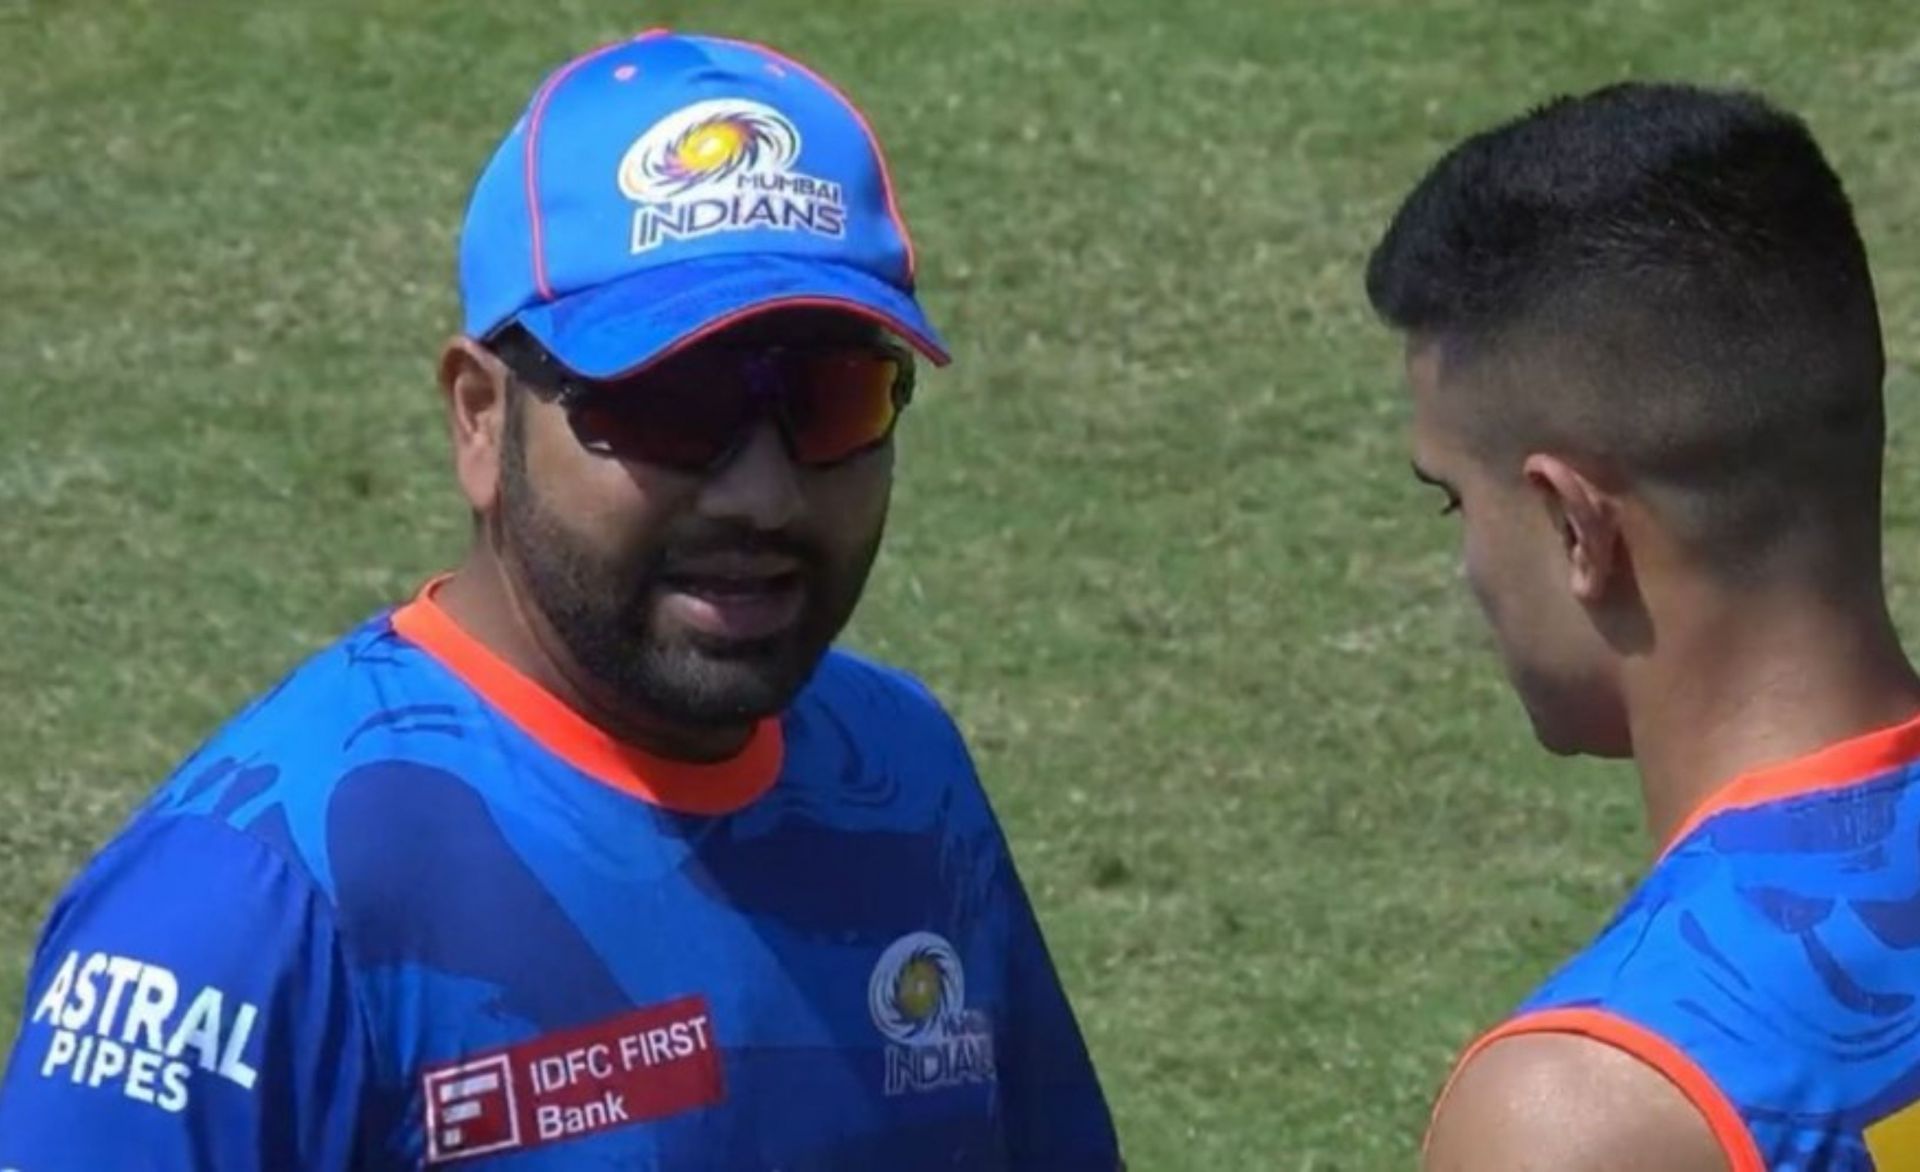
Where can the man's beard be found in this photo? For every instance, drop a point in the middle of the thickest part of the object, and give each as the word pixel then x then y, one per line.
pixel 604 610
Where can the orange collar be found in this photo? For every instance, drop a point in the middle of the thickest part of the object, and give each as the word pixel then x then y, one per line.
pixel 1837 766
pixel 719 787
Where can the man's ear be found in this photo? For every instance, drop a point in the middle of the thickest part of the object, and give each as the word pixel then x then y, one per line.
pixel 474 383
pixel 1588 518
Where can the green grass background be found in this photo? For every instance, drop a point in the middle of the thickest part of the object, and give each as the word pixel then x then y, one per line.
pixel 1154 541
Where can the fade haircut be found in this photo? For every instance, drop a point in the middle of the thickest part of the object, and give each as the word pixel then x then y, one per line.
pixel 1667 280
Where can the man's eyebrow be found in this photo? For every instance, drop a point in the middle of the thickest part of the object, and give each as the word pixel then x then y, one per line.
pixel 1426 477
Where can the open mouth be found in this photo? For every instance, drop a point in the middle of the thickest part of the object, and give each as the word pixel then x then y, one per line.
pixel 736 606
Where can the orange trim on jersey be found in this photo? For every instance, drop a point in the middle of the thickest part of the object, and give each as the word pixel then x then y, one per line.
pixel 719 787
pixel 1722 1117
pixel 1837 766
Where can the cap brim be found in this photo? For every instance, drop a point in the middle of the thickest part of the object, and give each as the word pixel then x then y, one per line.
pixel 616 329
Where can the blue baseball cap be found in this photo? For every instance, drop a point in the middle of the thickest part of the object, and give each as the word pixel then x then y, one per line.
pixel 658 189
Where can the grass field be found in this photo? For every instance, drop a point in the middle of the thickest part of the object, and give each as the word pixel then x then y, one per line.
pixel 1155 540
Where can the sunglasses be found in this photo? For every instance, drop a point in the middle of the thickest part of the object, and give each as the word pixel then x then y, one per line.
pixel 692 411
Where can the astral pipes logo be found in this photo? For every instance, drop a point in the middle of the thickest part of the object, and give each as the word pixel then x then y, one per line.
pixel 724 166
pixel 918 997
pixel 123 1023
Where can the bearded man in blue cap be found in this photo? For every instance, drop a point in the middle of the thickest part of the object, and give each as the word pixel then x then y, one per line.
pixel 594 852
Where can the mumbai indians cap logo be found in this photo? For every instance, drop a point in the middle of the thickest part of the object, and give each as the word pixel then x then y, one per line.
pixel 704 145
pixel 917 985
pixel 724 165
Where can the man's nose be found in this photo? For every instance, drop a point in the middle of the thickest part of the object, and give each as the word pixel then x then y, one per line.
pixel 758 487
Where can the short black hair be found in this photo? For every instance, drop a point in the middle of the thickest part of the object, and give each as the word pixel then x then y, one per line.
pixel 1685 264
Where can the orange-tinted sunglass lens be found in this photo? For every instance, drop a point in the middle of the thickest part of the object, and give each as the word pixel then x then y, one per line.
pixel 841 402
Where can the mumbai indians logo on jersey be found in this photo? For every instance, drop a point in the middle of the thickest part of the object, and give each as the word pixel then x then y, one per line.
pixel 724 166
pixel 121 1023
pixel 918 998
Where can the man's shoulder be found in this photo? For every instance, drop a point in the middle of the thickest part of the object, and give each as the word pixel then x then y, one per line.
pixel 856 687
pixel 857 707
pixel 1741 915
pixel 845 668
pixel 272 770
pixel 1557 1099
pixel 368 684
pixel 1731 976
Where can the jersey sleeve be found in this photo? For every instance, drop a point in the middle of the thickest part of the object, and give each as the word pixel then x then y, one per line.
pixel 188 1009
pixel 1057 1115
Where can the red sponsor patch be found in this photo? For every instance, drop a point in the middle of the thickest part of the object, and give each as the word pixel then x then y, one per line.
pixel 644 1065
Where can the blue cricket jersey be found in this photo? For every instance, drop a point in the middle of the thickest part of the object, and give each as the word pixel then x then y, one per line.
pixel 1769 965
pixel 408 909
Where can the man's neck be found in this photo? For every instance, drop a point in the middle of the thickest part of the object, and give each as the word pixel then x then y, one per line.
pixel 485 601
pixel 1758 679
